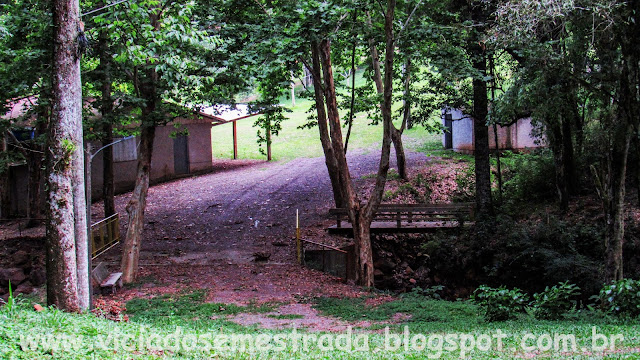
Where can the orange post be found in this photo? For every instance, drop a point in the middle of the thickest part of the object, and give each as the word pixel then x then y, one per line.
pixel 235 141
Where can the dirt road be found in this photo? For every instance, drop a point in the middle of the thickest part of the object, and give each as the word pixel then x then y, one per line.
pixel 228 215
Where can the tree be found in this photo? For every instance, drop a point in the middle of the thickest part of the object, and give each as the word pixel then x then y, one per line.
pixel 360 213
pixel 171 61
pixel 476 49
pixel 601 34
pixel 25 75
pixel 67 250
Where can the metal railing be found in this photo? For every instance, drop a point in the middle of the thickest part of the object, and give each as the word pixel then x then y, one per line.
pixel 105 234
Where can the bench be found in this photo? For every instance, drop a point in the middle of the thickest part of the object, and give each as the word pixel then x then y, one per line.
pixel 411 217
pixel 107 282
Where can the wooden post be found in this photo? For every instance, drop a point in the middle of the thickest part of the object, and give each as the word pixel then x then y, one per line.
pixel 269 142
pixel 235 141
pixel 298 241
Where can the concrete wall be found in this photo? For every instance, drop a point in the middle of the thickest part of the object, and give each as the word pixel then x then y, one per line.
pixel 200 157
pixel 162 160
pixel 515 137
pixel 462 130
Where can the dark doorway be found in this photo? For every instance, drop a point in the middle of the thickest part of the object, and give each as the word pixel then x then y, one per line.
pixel 181 154
pixel 448 131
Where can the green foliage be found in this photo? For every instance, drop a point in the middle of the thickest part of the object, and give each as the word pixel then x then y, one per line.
pixel 526 176
pixel 432 292
pixel 466 185
pixel 420 315
pixel 544 250
pixel 10 304
pixel 185 307
pixel 500 304
pixel 621 298
pixel 422 310
pixel 554 301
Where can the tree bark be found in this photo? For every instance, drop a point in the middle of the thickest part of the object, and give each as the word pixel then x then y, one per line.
pixel 559 164
pixel 323 128
pixel 407 120
pixel 148 89
pixel 637 143
pixel 395 134
pixel 568 157
pixel 480 111
pixel 106 110
pixel 360 224
pixel 331 138
pixel 628 104
pixel 614 204
pixel 136 207
pixel 64 152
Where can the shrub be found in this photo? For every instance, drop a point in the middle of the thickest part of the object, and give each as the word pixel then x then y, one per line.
pixel 499 304
pixel 526 175
pixel 554 301
pixel 429 293
pixel 622 298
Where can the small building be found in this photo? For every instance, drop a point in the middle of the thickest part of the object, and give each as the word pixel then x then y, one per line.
pixel 458 135
pixel 180 148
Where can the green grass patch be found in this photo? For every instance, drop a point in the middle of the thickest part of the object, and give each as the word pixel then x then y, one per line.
pixel 422 311
pixel 52 334
pixel 293 142
pixel 186 307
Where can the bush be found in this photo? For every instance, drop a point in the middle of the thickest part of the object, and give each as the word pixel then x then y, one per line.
pixel 432 292
pixel 499 304
pixel 622 298
pixel 526 175
pixel 554 301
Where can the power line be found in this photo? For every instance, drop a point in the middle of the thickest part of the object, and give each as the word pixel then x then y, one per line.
pixel 104 7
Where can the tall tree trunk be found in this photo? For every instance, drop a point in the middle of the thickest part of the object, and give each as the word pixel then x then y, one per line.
pixel 568 157
pixel 323 128
pixel 64 158
pixel 352 104
pixel 614 203
pixel 136 207
pixel 558 159
pixel 138 203
pixel 407 120
pixel 326 100
pixel 480 111
pixel 637 143
pixel 360 224
pixel 395 134
pixel 628 103
pixel 401 159
pixel 106 110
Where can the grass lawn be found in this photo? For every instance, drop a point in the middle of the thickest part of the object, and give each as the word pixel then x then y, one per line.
pixel 166 327
pixel 293 142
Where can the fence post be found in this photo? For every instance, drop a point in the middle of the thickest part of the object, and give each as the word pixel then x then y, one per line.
pixel 298 242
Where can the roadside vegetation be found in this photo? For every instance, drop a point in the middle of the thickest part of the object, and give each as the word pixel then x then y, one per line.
pixel 145 323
